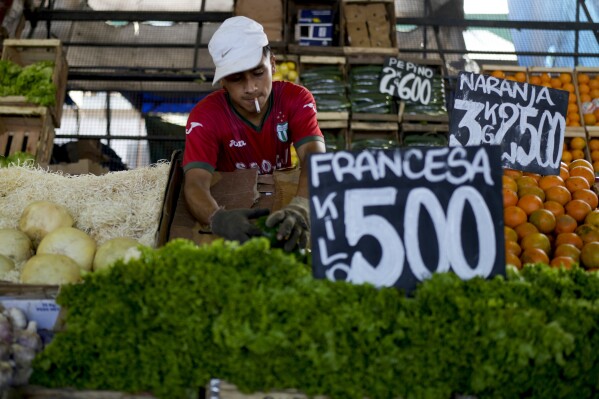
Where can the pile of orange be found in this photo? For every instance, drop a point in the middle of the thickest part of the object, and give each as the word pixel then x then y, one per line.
pixel 588 87
pixel 573 149
pixel 552 219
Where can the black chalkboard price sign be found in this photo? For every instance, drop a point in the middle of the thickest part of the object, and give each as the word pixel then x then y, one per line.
pixel 394 217
pixel 527 121
pixel 406 80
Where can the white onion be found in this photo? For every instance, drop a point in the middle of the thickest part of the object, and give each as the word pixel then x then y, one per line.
pixel 111 251
pixel 15 245
pixel 6 264
pixel 51 269
pixel 72 242
pixel 41 217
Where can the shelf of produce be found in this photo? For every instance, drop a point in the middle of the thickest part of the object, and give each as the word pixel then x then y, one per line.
pixel 29 51
pixel 314 50
pixel 27 129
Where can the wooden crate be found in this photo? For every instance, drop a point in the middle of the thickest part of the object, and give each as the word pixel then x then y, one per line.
pixel 26 52
pixel 368 25
pixel 27 129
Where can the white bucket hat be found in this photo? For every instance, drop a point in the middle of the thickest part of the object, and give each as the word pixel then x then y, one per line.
pixel 236 46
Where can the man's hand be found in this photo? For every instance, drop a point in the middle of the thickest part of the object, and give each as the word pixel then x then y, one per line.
pixel 294 220
pixel 235 225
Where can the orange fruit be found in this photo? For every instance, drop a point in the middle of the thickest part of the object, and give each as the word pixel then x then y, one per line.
pixel 564 172
pixel 513 216
pixel 567 156
pixel 574 183
pixel 583 78
pixel 592 218
pixel 584 229
pixel 565 224
pixel 545 77
pixel 536 240
pixel 574 117
pixel 577 154
pixel 569 250
pixel 580 162
pixel 535 80
pixel 551 180
pixel 543 220
pixel 594 93
pixel 589 119
pixel 584 171
pixel 589 255
pixel 513 247
pixel 556 83
pixel 562 261
pixel 594 83
pixel 577 143
pixel 594 157
pixel 535 176
pixel 572 98
pixel 498 74
pixel 526 181
pixel 509 234
pixel 513 173
pixel 572 108
pixel 588 196
pixel 585 98
pixel 520 76
pixel 509 183
pixel 512 259
pixel 554 207
pixel 569 87
pixel 524 229
pixel 569 238
pixel 509 197
pixel 596 166
pixel 584 89
pixel 591 235
pixel 578 209
pixel 565 77
pixel 534 190
pixel 559 194
pixel 534 255
pixel 530 203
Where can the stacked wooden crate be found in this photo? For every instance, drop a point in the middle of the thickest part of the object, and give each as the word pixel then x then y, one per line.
pixel 25 126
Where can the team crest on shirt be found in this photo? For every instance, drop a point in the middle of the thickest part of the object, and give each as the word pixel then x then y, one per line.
pixel 282 131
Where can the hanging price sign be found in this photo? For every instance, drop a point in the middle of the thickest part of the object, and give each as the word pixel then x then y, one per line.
pixel 394 217
pixel 527 121
pixel 407 80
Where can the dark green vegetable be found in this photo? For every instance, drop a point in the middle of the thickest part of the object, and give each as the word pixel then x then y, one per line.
pixel 254 316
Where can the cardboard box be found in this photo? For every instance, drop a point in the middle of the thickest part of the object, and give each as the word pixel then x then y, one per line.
pixel 269 13
pixel 37 301
pixel 243 188
pixel 27 129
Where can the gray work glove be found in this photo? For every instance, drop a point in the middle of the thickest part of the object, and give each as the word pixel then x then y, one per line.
pixel 294 223
pixel 235 225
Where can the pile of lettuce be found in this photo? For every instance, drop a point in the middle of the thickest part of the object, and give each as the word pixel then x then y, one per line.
pixel 254 316
pixel 33 81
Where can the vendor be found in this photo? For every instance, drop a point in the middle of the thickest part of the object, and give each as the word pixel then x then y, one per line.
pixel 250 122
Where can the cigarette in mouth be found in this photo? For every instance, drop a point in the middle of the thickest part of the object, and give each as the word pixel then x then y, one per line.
pixel 257 105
